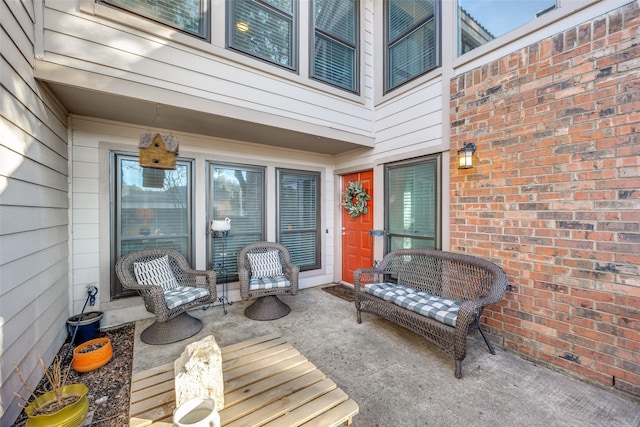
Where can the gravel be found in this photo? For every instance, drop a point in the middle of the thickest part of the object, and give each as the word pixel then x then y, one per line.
pixel 109 386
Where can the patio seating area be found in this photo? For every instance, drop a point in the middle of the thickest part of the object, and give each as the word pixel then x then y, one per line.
pixel 398 378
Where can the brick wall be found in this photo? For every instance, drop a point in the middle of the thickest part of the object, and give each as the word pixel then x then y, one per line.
pixel 555 196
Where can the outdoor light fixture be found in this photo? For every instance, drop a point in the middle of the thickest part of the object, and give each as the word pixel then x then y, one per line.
pixel 465 155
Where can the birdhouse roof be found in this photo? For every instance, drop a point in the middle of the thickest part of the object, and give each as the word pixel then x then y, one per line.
pixel 169 141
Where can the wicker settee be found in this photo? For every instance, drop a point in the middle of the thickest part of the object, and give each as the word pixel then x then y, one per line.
pixel 438 295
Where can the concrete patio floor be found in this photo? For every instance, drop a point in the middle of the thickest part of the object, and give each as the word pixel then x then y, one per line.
pixel 399 379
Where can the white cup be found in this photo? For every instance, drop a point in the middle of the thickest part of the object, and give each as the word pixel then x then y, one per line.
pixel 198 412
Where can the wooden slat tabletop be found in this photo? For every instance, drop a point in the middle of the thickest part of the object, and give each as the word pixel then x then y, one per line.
pixel 267 382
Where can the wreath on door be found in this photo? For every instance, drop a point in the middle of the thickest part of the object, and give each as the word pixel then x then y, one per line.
pixel 355 198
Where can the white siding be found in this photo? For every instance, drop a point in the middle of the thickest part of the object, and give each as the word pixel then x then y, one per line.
pixel 79 40
pixel 34 281
pixel 94 139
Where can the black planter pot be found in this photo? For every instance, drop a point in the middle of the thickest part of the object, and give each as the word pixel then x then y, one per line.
pixel 88 326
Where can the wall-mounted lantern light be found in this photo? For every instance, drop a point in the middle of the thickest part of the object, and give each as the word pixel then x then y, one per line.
pixel 465 155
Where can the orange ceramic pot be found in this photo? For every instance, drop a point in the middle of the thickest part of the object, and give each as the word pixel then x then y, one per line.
pixel 85 361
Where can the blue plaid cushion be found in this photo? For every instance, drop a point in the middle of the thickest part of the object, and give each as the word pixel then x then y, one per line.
pixel 269 283
pixel 182 295
pixel 388 291
pixel 441 309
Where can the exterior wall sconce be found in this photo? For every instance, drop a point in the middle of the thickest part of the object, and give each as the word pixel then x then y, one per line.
pixel 465 155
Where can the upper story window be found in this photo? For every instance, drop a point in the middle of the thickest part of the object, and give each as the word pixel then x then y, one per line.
pixel 190 16
pixel 480 21
pixel 335 43
pixel 412 41
pixel 265 29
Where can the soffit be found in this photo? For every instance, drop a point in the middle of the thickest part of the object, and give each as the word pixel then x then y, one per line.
pixel 91 103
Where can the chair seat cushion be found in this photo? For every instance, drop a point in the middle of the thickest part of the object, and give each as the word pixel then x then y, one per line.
pixel 443 310
pixel 156 272
pixel 269 283
pixel 265 264
pixel 182 295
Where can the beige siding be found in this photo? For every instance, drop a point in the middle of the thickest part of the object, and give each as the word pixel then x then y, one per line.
pixel 93 141
pixel 80 40
pixel 34 281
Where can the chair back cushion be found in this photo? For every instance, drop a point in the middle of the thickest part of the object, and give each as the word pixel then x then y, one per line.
pixel 155 272
pixel 265 264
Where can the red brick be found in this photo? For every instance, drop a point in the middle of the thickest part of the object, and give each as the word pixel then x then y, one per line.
pixel 560 145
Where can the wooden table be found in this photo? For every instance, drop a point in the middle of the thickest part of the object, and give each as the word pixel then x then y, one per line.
pixel 266 382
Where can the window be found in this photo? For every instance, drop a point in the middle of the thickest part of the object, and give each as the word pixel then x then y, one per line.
pixel 335 42
pixel 480 21
pixel 412 205
pixel 265 29
pixel 412 40
pixel 151 208
pixel 299 216
pixel 235 192
pixel 190 16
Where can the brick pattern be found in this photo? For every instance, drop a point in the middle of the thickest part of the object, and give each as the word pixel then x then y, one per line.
pixel 555 196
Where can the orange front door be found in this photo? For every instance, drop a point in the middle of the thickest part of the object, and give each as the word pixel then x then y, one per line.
pixel 357 244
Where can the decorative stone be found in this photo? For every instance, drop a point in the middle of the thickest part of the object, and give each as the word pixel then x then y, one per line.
pixel 198 373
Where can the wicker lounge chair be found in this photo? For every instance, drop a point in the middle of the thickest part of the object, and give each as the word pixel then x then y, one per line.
pixel 264 287
pixel 194 288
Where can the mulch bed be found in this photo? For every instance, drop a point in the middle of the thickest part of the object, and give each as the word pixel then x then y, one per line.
pixel 109 386
pixel 341 291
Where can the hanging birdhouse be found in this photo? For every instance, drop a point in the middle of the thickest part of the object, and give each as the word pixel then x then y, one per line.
pixel 158 151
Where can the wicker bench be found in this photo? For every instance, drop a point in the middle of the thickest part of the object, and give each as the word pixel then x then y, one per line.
pixel 438 295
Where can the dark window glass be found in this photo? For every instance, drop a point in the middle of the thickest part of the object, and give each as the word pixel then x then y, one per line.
pixel 265 29
pixel 151 209
pixel 190 16
pixel 235 192
pixel 412 40
pixel 412 205
pixel 335 49
pixel 299 216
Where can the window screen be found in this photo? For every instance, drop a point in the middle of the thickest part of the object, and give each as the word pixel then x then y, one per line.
pixel 151 209
pixel 265 29
pixel 412 205
pixel 190 16
pixel 235 192
pixel 412 40
pixel 299 216
pixel 335 38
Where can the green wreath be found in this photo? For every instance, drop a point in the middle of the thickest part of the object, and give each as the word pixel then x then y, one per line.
pixel 354 199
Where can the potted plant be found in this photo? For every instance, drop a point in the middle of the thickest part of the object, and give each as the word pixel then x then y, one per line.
pixel 61 404
pixel 92 354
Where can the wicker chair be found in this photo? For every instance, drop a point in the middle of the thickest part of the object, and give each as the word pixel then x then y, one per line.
pixel 173 324
pixel 266 289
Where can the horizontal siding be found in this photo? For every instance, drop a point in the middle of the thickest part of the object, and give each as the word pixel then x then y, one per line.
pixel 85 42
pixel 34 273
pixel 411 121
pixel 18 219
